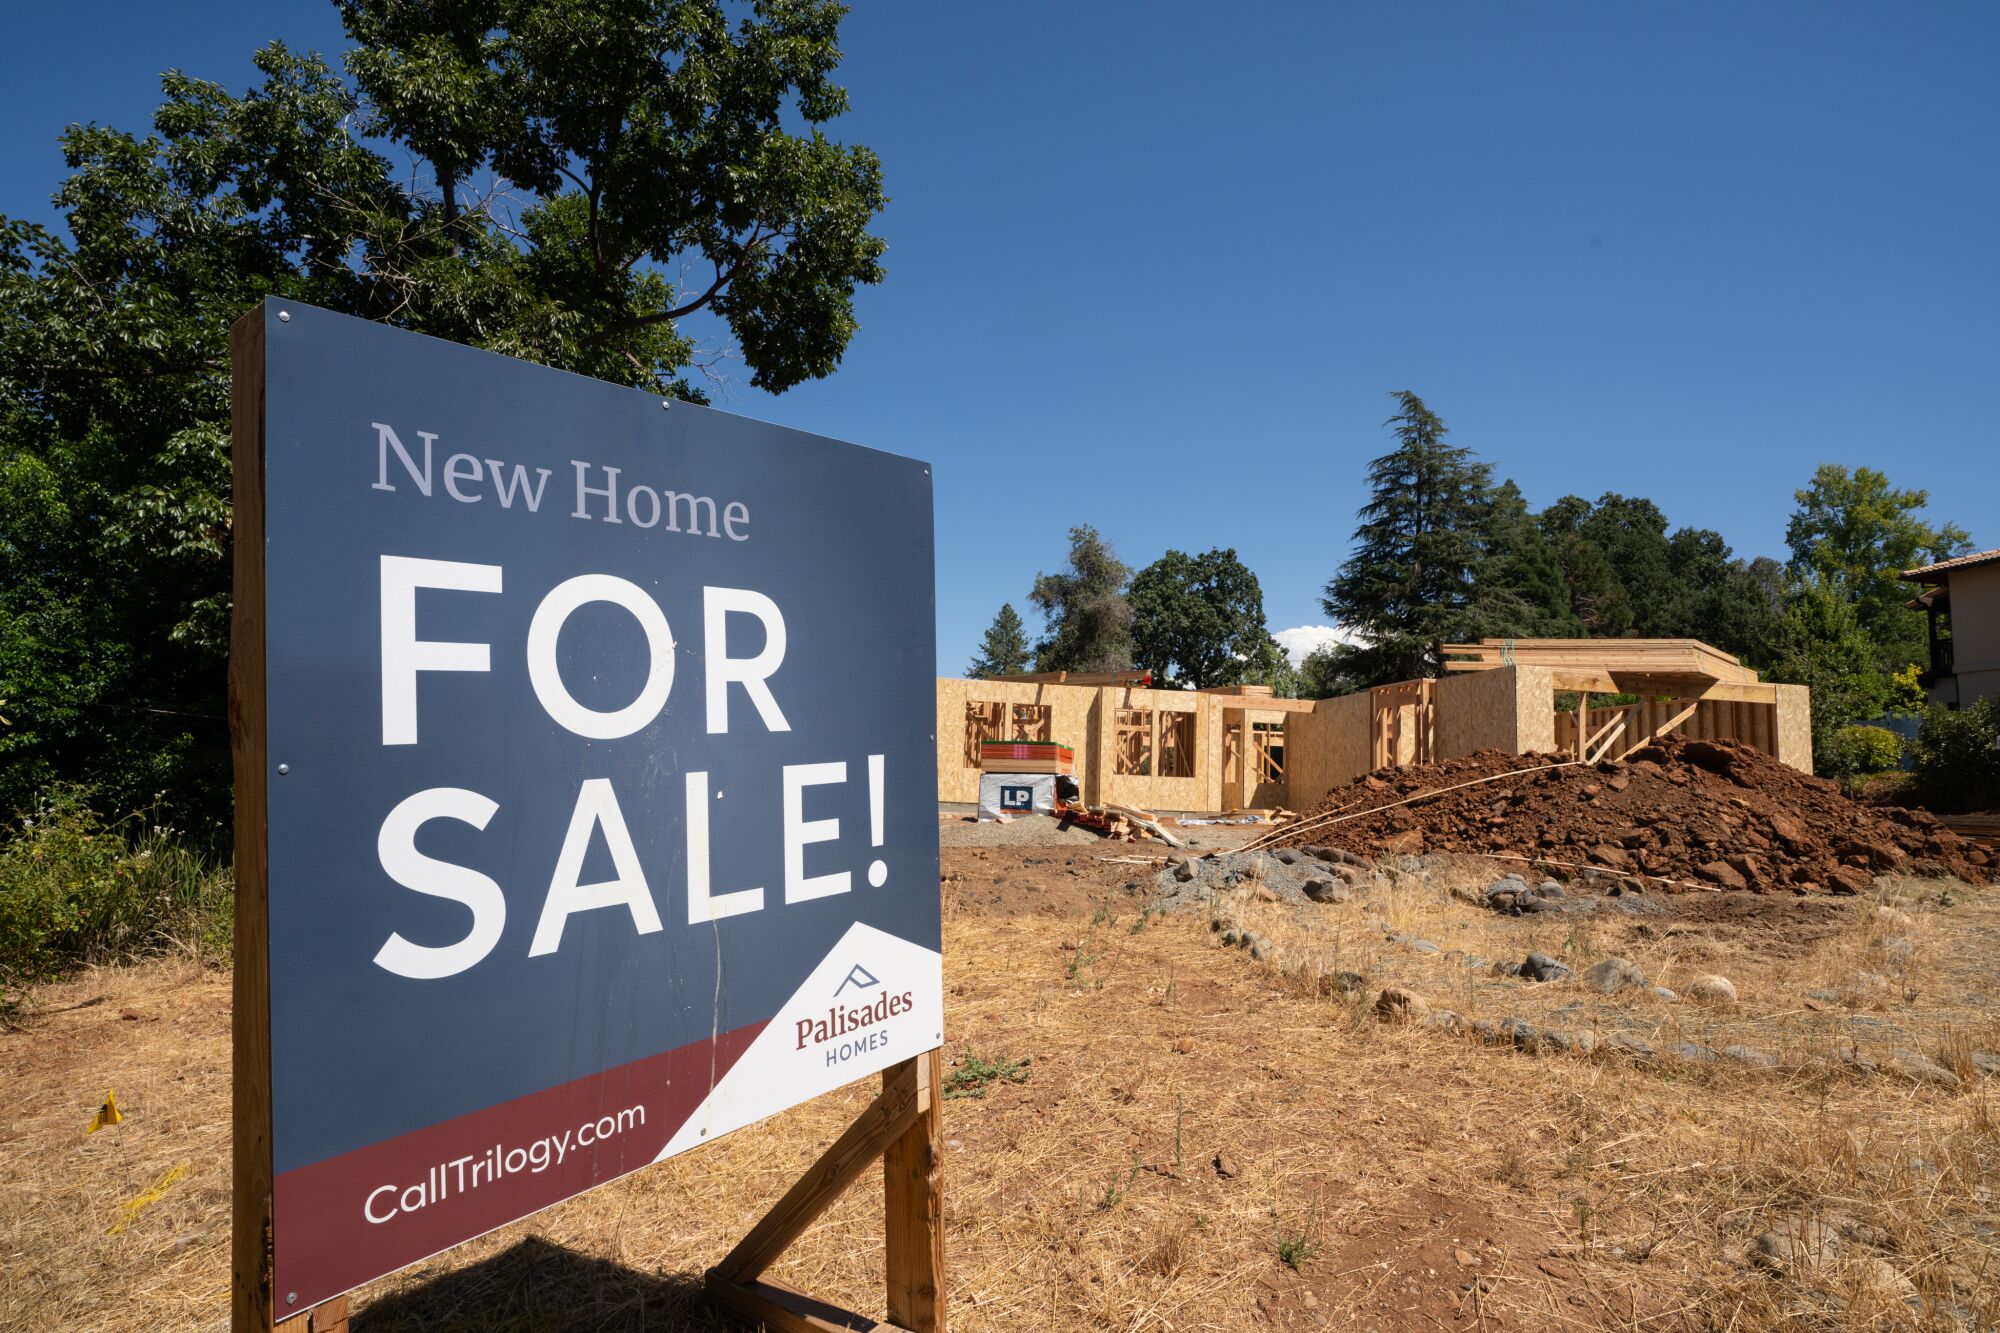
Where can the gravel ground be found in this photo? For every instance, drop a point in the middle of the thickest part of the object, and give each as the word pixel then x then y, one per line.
pixel 1026 831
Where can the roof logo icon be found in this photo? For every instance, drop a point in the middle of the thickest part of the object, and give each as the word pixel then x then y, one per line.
pixel 858 977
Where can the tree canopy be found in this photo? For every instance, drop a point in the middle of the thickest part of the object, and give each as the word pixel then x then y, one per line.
pixel 569 162
pixel 1198 620
pixel 1088 622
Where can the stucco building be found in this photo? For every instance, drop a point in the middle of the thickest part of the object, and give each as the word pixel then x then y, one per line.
pixel 1962 600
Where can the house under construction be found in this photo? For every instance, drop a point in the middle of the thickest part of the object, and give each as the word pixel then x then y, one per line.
pixel 1239 748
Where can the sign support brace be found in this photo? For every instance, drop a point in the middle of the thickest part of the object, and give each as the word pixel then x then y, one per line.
pixel 903 1127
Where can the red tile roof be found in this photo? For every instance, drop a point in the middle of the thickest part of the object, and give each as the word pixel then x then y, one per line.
pixel 1924 575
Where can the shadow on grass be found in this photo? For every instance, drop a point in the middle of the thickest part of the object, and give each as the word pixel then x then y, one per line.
pixel 540 1287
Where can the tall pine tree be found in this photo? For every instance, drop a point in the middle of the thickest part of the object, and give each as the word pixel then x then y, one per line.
pixel 1004 650
pixel 1413 581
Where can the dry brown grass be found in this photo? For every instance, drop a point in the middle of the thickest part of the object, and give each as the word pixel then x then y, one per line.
pixel 1591 1194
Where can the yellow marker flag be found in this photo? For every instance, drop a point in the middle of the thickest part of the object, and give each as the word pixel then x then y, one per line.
pixel 107 1114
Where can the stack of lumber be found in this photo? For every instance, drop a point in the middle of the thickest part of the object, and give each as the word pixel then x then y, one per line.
pixel 1640 666
pixel 1026 757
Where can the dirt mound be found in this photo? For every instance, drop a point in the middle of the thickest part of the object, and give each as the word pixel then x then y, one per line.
pixel 1708 811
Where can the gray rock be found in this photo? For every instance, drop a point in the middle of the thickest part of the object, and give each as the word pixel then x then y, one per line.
pixel 1626 1044
pixel 1232 937
pixel 1290 856
pixel 1511 884
pixel 1521 1033
pixel 1663 993
pixel 1260 948
pixel 1885 1279
pixel 1486 1029
pixel 1506 969
pixel 1712 990
pixel 1541 967
pixel 1530 903
pixel 1548 888
pixel 1423 946
pixel 1444 1020
pixel 1795 1245
pixel 1576 1041
pixel 1396 1005
pixel 1749 1055
pixel 1474 963
pixel 1185 871
pixel 1922 1068
pixel 1326 891
pixel 1986 1062
pixel 1614 975
pixel 1692 1052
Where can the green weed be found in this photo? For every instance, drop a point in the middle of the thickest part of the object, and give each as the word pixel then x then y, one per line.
pixel 972 1076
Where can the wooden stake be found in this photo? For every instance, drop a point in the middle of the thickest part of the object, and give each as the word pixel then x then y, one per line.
pixel 253 1307
pixel 903 1126
pixel 913 1201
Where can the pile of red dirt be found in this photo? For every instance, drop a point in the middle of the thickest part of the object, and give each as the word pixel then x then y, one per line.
pixel 1688 810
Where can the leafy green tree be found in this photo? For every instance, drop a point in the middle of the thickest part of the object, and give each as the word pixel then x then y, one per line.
pixel 644 138
pixel 1004 650
pixel 1717 598
pixel 1198 620
pixel 1087 620
pixel 1413 581
pixel 1324 675
pixel 1268 665
pixel 1854 534
pixel 1820 643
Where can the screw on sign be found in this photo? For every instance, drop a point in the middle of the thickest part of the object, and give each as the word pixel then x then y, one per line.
pixel 501 936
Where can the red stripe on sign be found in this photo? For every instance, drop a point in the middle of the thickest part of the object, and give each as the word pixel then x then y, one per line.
pixel 349 1219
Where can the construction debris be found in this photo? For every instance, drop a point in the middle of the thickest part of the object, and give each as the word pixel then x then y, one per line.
pixel 1712 812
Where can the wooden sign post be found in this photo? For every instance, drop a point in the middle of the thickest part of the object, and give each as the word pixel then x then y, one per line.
pixel 903 1127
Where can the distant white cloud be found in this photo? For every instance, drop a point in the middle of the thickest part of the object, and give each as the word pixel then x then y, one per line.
pixel 1300 640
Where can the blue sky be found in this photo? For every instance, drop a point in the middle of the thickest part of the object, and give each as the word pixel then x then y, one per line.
pixel 1156 267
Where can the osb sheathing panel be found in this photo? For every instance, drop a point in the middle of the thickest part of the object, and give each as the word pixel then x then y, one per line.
pixel 1069 724
pixel 1084 717
pixel 1794 713
pixel 1325 748
pixel 1534 709
pixel 1507 708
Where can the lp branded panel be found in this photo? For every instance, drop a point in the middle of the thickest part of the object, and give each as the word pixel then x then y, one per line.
pixel 600 784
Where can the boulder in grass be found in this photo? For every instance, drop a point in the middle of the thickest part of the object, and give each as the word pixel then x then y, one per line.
pixel 1541 967
pixel 1796 1245
pixel 1396 1005
pixel 1614 975
pixel 1711 990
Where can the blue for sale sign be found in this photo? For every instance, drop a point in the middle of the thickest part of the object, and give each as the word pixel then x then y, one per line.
pixel 600 783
